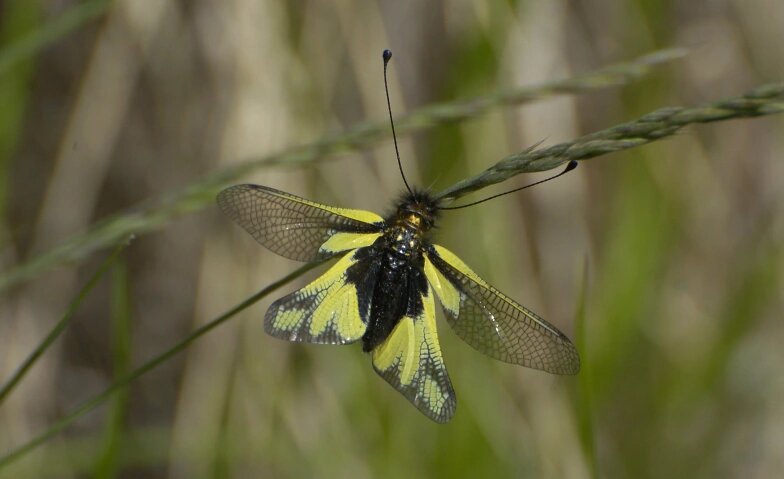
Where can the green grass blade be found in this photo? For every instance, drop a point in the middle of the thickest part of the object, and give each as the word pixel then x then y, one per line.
pixel 147 367
pixel 222 460
pixel 583 402
pixel 15 88
pixel 28 363
pixel 107 465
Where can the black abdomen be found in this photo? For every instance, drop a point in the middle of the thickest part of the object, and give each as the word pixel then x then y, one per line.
pixel 398 289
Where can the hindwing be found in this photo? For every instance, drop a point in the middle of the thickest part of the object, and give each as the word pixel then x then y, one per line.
pixel 410 360
pixel 297 228
pixel 493 323
pixel 333 309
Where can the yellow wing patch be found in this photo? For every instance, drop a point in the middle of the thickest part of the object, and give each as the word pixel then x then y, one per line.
pixel 447 294
pixel 458 263
pixel 410 360
pixel 326 311
pixel 359 215
pixel 339 242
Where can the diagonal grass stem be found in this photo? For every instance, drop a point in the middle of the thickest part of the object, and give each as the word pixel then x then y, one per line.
pixel 58 328
pixel 121 383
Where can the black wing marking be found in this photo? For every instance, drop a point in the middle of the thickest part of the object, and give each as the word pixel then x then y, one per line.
pixel 494 324
pixel 291 226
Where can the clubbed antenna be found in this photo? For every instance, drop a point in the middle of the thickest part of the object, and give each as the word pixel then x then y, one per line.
pixel 387 55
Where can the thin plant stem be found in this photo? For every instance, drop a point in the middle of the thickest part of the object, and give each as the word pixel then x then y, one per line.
pixel 582 399
pixel 121 383
pixel 107 465
pixel 58 328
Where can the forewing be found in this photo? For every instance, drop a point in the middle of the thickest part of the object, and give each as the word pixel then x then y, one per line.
pixel 333 309
pixel 296 228
pixel 410 360
pixel 493 323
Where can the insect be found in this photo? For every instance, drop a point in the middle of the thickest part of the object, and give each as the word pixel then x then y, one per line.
pixel 383 288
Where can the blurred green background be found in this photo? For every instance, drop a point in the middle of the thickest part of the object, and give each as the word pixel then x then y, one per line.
pixel 664 262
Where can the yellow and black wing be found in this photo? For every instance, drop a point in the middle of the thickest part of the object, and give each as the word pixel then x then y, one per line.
pixel 333 309
pixel 410 360
pixel 493 323
pixel 297 228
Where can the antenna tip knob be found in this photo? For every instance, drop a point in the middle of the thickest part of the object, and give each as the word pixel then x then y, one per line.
pixel 387 55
